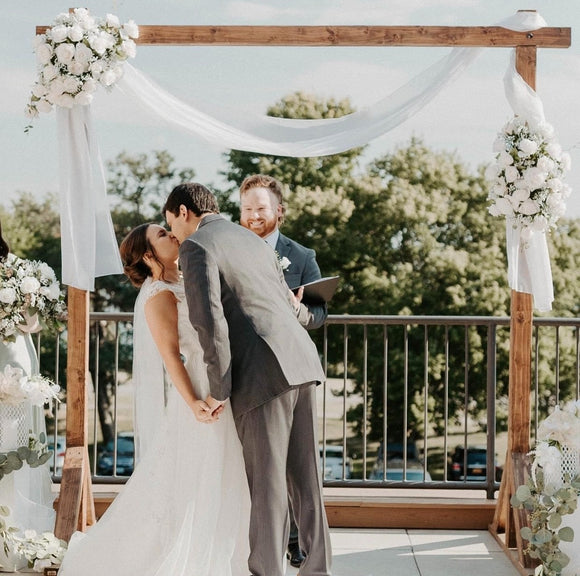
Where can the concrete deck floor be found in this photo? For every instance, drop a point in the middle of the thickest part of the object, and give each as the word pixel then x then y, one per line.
pixel 394 552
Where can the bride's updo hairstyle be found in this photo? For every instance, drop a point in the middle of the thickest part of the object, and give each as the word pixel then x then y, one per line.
pixel 3 245
pixel 133 249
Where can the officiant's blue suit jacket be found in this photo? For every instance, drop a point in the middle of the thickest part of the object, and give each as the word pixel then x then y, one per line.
pixel 239 303
pixel 302 270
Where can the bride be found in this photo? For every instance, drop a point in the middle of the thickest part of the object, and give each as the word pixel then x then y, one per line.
pixel 185 510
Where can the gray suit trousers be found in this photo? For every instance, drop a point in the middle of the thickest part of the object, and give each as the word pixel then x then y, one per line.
pixel 280 445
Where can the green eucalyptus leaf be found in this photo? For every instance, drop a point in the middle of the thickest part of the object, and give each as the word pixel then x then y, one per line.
pixel 44 458
pixel 526 533
pixel 2 459
pixel 566 534
pixel 32 459
pixel 515 502
pixel 42 437
pixel 4 510
pixel 23 452
pixel 543 536
pixel 523 493
pixel 554 521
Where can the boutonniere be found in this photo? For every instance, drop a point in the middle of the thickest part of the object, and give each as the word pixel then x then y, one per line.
pixel 284 262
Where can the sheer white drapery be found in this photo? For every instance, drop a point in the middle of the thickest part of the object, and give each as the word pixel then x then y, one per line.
pixel 529 267
pixel 89 245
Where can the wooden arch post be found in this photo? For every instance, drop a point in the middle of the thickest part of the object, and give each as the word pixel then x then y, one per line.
pixel 525 43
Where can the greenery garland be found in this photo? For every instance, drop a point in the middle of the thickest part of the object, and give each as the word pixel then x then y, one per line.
pixel 546 505
pixel 35 454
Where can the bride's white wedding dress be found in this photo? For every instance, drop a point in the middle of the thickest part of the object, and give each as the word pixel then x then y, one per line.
pixel 185 510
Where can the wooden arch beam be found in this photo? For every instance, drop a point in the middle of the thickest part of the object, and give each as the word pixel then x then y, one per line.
pixel 425 36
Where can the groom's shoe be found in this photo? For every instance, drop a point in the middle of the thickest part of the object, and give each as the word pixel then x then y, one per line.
pixel 295 555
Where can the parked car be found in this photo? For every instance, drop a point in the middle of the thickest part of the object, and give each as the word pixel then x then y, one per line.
pixel 395 464
pixel 476 465
pixel 333 460
pixel 125 456
pixel 58 451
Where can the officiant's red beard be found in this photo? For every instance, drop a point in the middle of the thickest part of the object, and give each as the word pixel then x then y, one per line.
pixel 260 211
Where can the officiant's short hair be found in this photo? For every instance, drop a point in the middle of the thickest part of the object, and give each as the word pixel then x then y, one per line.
pixel 268 182
pixel 194 196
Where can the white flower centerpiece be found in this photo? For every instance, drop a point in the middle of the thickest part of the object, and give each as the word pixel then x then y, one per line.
pixel 16 387
pixel 551 495
pixel 28 288
pixel 528 187
pixel 76 54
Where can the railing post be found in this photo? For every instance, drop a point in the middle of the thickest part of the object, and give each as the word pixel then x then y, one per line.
pixel 491 410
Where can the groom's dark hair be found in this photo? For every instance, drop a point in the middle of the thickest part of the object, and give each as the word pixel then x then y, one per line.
pixel 195 197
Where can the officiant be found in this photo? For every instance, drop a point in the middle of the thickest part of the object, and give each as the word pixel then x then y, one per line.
pixel 262 211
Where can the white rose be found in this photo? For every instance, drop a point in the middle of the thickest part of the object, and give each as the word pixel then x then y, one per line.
pixel 39 90
pixel 83 98
pixel 44 106
pixel 7 295
pixel 557 205
pixel 65 53
pixel 75 33
pixel 554 150
pixel 89 86
pixel 566 161
pixel 49 72
pixel 546 164
pixel 108 78
pixel 71 84
pixel 129 48
pixel 546 130
pixel 77 68
pixel 54 291
pixel 83 53
pixel 529 207
pixel 58 33
pixel 520 194
pixel 98 44
pixel 112 21
pixel 504 159
pixel 499 189
pixel 64 101
pixel 535 177
pixel 491 172
pixel 494 210
pixel 29 285
pixel 504 206
pixel 511 174
pixel 555 184
pixel 527 147
pixel 44 53
pixel 97 69
pixel 131 29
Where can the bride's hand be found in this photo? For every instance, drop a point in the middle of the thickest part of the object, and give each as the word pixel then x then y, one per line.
pixel 217 406
pixel 202 411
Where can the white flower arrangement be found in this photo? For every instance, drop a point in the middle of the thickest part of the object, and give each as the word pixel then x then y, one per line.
pixel 528 187
pixel 552 490
pixel 76 54
pixel 40 550
pixel 28 288
pixel 16 387
pixel 283 261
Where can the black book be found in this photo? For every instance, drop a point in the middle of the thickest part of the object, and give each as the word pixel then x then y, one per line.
pixel 321 290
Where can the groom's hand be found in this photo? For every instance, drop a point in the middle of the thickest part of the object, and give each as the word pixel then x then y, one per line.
pixel 216 406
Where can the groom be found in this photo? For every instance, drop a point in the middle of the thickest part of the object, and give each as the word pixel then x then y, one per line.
pixel 258 355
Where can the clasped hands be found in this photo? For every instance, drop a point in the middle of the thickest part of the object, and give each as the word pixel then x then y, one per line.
pixel 208 410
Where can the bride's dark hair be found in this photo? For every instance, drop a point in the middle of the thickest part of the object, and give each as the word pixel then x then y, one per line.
pixel 133 248
pixel 4 249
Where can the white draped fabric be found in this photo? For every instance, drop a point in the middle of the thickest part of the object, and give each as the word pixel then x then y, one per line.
pixel 529 267
pixel 89 245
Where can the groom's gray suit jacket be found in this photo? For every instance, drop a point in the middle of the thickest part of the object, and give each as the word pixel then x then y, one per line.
pixel 254 347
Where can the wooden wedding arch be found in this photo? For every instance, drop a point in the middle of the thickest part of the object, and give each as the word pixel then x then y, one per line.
pixel 76 506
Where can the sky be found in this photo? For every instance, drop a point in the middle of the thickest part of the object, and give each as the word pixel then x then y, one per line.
pixel 463 119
